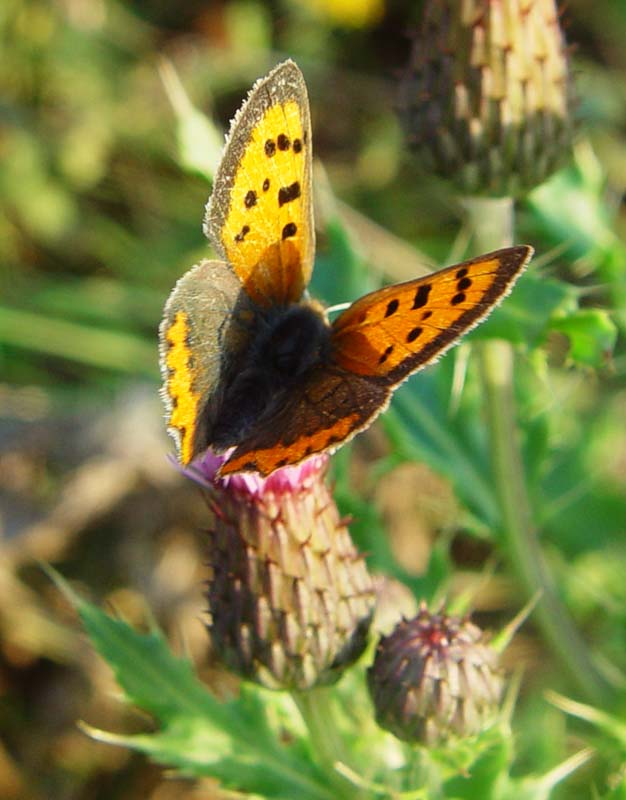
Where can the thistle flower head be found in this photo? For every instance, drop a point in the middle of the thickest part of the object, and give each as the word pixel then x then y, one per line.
pixel 288 479
pixel 290 599
pixel 434 676
pixel 487 95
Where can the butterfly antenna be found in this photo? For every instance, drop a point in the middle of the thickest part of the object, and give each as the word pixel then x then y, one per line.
pixel 338 307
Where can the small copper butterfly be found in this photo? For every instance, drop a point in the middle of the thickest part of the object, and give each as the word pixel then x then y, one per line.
pixel 249 362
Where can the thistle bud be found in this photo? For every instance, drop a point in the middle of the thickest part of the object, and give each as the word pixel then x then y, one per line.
pixel 487 95
pixel 290 599
pixel 435 676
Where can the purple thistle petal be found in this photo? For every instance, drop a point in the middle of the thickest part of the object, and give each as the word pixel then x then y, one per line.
pixel 203 470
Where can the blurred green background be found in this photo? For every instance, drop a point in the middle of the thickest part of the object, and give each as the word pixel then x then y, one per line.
pixel 103 181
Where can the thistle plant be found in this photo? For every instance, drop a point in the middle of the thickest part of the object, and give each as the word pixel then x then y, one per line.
pixel 487 97
pixel 433 677
pixel 290 599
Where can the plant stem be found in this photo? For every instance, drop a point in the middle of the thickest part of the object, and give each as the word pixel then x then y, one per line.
pixel 492 225
pixel 316 711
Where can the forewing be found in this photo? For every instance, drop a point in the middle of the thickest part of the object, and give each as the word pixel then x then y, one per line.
pixel 395 331
pixel 259 216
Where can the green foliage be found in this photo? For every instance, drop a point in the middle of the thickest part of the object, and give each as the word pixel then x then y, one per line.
pixel 572 212
pixel 256 743
pixel 234 740
pixel 107 159
pixel 591 335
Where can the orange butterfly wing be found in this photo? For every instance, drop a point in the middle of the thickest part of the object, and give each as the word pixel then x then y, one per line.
pixel 327 409
pixel 395 331
pixel 260 216
pixel 376 343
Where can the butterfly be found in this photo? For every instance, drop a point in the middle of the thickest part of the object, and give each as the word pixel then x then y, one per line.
pixel 251 366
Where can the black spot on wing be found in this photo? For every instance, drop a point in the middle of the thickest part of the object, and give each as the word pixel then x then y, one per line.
pixel 421 295
pixel 288 193
pixel 289 230
pixel 392 307
pixel 242 233
pixel 413 334
pixel 386 354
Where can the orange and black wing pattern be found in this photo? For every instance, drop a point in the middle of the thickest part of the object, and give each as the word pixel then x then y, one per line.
pixel 376 344
pixel 260 214
pixel 391 333
pixel 327 410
